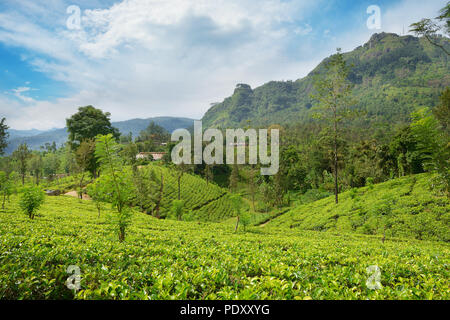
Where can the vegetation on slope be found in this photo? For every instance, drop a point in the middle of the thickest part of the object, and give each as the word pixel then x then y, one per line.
pixel 404 207
pixel 204 201
pixel 165 259
pixel 393 76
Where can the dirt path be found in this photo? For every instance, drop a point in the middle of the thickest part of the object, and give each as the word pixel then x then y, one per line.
pixel 75 194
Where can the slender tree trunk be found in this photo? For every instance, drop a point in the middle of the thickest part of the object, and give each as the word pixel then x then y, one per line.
pixel 336 187
pixel 121 234
pixel 158 203
pixel 237 224
pixel 179 187
pixel 4 199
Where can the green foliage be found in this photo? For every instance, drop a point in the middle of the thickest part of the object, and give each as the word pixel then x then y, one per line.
pixel 434 144
pixel 406 207
pixel 21 155
pixel 234 178
pixel 313 195
pixel 151 138
pixel 98 192
pixel 36 167
pixel 429 28
pixel 31 199
pixel 333 93
pixel 237 204
pixel 178 209
pixel 245 219
pixel 392 76
pixel 168 260
pixel 147 186
pixel 85 157
pixel 117 184
pixel 87 123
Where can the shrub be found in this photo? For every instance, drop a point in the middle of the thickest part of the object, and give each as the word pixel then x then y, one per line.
pixel 31 199
pixel 177 209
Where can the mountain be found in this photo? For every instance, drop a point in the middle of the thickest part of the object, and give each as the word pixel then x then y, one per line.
pixel 35 138
pixel 23 133
pixel 393 75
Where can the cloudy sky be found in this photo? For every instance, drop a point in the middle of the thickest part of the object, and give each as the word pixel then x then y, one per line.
pixel 145 58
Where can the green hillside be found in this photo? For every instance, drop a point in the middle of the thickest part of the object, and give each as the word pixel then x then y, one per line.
pixel 404 208
pixel 393 76
pixel 164 259
pixel 208 202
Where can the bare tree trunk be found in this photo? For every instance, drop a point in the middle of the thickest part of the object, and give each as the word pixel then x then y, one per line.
pixel 179 187
pixel 158 203
pixel 336 187
pixel 237 224
pixel 121 234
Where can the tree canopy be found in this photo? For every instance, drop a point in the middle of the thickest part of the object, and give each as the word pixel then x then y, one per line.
pixel 87 123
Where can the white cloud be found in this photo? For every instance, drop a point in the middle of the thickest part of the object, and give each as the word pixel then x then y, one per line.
pixel 18 93
pixel 143 58
pixel 400 16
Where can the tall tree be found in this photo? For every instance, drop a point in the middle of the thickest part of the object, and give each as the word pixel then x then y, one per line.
pixel 86 154
pixel 118 185
pixel 146 186
pixel 237 204
pixel 252 185
pixel 182 168
pixel 87 123
pixel 430 27
pixel 208 173
pixel 85 157
pixel 234 177
pixel 434 143
pixel 21 155
pixel 154 132
pixel 442 111
pixel 36 166
pixel 3 136
pixel 333 93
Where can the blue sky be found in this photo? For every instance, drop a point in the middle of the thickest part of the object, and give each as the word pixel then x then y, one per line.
pixel 144 58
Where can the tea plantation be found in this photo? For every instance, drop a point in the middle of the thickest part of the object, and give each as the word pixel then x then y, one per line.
pixel 166 259
pixel 207 201
pixel 404 207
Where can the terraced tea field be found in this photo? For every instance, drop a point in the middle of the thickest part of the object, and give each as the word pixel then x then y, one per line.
pixel 165 259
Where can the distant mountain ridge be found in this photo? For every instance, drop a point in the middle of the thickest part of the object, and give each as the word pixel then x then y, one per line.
pixel 393 75
pixel 36 138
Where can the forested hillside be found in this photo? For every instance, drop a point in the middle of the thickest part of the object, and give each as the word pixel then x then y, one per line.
pixel 393 76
